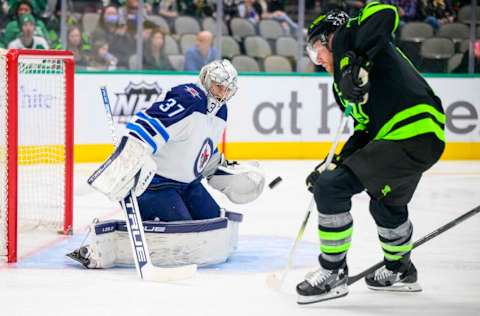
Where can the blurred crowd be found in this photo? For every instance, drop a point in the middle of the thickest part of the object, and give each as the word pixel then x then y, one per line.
pixel 178 35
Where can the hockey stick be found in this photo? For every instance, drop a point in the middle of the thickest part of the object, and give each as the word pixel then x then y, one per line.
pixel 275 281
pixel 418 243
pixel 143 262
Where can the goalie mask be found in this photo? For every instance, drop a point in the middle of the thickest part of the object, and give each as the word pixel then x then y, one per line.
pixel 321 28
pixel 219 79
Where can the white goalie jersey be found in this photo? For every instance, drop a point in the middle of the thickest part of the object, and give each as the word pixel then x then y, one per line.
pixel 180 131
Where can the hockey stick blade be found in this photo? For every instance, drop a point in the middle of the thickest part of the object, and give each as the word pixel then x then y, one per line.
pixel 157 274
pixel 143 261
pixel 418 243
pixel 275 281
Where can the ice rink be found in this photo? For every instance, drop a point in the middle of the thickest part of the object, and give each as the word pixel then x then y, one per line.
pixel 45 282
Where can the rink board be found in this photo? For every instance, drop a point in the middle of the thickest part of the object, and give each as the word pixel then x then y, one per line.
pixel 271 117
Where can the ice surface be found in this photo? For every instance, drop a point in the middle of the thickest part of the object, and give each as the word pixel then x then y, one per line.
pixel 45 282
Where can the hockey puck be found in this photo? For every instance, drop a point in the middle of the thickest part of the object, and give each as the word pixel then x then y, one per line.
pixel 274 182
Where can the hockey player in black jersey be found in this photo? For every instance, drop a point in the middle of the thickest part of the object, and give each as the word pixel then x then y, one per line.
pixel 398 134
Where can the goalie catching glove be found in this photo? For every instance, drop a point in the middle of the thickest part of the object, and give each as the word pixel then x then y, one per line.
pixel 353 82
pixel 130 167
pixel 241 183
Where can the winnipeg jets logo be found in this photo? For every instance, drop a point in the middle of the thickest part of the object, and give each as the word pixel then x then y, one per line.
pixel 193 92
pixel 203 157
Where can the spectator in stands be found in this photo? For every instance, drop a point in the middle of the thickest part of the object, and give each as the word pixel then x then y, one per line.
pixel 202 53
pixel 230 9
pixel 13 31
pixel 102 58
pixel 38 6
pixel 463 67
pixel 148 28
pixel 154 56
pixel 275 9
pixel 123 45
pixel 108 24
pixel 51 7
pixel 435 12
pixel 128 15
pixel 250 10
pixel 3 16
pixel 407 9
pixel 27 38
pixel 79 45
pixel 195 8
pixel 168 10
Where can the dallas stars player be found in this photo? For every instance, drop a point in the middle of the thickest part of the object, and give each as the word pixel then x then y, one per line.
pixel 399 134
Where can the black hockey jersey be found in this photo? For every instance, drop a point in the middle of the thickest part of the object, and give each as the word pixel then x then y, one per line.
pixel 401 104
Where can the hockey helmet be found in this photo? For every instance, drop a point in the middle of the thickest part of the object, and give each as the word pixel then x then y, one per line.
pixel 223 74
pixel 324 25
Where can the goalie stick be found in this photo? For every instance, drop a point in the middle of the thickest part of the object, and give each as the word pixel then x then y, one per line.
pixel 143 263
pixel 275 281
pixel 418 243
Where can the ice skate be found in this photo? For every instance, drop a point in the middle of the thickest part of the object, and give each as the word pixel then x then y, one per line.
pixel 322 285
pixel 403 279
pixel 82 255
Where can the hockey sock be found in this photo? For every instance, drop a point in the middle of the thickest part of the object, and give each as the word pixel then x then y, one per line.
pixel 335 232
pixel 396 241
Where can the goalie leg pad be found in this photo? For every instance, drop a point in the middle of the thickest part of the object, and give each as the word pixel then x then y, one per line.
pixel 203 242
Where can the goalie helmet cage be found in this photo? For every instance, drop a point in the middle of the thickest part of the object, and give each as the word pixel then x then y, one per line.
pixel 36 144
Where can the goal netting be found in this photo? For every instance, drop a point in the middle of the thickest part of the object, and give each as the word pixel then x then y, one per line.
pixel 36 144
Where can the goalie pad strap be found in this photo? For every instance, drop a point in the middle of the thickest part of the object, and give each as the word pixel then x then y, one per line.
pixel 171 227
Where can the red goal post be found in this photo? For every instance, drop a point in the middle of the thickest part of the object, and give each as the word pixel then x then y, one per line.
pixel 36 144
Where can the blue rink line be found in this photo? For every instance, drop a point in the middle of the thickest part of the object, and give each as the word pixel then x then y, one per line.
pixel 254 254
pixel 267 253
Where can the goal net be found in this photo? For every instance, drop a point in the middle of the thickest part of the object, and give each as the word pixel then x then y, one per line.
pixel 36 144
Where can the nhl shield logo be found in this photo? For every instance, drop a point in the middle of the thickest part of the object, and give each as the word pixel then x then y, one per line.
pixel 203 157
pixel 136 97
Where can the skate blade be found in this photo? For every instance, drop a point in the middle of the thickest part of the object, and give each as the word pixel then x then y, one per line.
pixel 398 287
pixel 337 292
pixel 76 256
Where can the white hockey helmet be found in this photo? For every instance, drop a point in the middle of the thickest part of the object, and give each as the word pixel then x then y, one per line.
pixel 219 79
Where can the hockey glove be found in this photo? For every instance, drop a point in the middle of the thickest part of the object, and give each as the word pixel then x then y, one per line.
pixel 353 82
pixel 321 167
pixel 241 183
